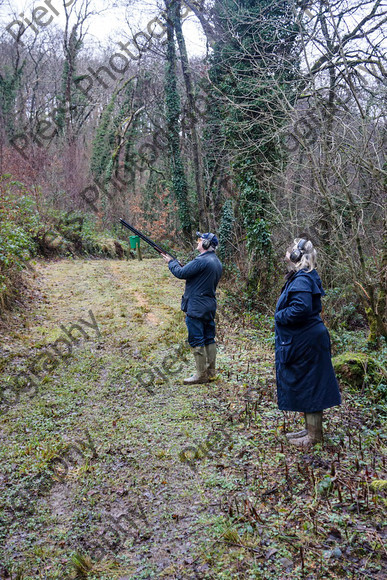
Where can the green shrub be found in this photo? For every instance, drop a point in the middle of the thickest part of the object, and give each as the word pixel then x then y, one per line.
pixel 343 309
pixel 25 233
pixel 359 371
pixel 18 225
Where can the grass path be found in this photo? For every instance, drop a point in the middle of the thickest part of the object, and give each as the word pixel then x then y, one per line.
pixel 93 482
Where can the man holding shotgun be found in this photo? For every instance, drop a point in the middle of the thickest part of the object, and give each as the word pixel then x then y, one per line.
pixel 199 300
pixel 199 304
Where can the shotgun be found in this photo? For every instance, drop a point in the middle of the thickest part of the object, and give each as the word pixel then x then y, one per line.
pixel 155 246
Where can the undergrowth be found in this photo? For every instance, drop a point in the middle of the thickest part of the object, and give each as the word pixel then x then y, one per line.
pixel 28 231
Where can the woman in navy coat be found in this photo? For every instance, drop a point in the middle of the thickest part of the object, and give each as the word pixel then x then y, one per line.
pixel 306 381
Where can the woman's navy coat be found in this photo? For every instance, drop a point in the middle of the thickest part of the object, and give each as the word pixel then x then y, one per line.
pixel 306 380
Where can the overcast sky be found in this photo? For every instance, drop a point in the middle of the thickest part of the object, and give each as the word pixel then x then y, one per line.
pixel 112 23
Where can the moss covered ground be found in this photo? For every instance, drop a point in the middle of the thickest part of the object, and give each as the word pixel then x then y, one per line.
pixel 111 468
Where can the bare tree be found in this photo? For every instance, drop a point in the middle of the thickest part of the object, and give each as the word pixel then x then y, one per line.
pixel 335 178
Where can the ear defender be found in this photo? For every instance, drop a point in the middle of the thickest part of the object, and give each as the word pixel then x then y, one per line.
pixel 207 241
pixel 298 252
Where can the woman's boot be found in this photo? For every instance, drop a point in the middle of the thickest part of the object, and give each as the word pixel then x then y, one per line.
pixel 297 434
pixel 314 428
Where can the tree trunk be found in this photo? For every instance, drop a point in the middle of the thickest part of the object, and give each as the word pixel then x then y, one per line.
pixel 196 153
pixel 172 103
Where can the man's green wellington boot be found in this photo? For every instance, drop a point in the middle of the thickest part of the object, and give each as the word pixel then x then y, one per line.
pixel 314 427
pixel 211 359
pixel 200 376
pixel 298 434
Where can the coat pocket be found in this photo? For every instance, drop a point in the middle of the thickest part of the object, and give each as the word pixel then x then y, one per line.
pixel 184 303
pixel 285 351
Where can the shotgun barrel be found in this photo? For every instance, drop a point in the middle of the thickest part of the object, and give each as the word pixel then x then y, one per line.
pixel 155 246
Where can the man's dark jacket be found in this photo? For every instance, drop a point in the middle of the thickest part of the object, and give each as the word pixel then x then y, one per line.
pixel 202 276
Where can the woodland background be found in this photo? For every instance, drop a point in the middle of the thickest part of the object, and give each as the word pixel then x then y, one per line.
pixel 278 131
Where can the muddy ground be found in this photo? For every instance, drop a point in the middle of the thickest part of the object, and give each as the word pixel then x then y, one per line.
pixel 112 468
